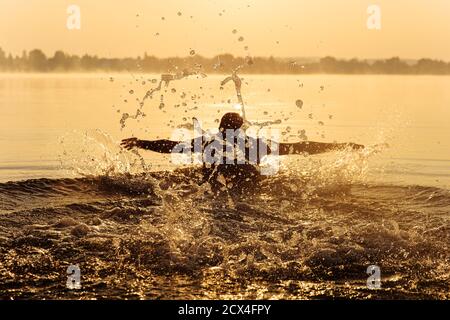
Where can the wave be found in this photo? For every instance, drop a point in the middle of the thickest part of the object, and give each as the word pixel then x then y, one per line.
pixel 302 236
pixel 144 183
pixel 284 186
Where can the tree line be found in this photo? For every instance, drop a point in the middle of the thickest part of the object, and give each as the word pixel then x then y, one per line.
pixel 37 61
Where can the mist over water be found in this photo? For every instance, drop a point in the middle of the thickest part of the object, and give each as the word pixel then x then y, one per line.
pixel 141 227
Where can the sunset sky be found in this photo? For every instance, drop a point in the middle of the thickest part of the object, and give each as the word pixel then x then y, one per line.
pixel 288 28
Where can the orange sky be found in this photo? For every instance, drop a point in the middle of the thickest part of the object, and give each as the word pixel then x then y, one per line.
pixel 302 28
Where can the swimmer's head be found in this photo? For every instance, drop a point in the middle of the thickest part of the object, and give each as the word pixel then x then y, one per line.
pixel 232 121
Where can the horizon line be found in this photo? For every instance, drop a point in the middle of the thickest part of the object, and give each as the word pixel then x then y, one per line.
pixel 306 57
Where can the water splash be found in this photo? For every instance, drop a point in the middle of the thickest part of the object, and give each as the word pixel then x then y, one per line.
pixel 95 153
pixel 164 82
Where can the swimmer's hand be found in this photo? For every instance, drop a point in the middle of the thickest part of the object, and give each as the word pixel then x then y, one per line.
pixel 353 146
pixel 131 143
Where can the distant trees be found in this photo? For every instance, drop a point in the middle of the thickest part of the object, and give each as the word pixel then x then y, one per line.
pixel 37 61
pixel 59 62
pixel 431 66
pixel 2 57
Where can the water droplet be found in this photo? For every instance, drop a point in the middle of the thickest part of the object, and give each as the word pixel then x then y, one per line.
pixel 234 31
pixel 179 14
pixel 321 123
pixel 131 91
pixel 173 90
pixel 241 39
pixel 299 103
pixel 192 53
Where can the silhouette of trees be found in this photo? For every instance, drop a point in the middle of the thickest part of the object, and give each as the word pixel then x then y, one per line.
pixel 2 58
pixel 37 61
pixel 432 66
pixel 59 62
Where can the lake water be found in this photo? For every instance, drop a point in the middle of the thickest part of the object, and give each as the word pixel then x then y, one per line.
pixel 309 232
pixel 410 113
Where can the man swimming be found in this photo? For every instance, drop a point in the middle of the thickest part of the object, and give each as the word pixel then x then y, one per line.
pixel 230 155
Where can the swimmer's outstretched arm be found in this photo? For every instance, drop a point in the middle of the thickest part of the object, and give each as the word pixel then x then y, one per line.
pixel 161 146
pixel 314 147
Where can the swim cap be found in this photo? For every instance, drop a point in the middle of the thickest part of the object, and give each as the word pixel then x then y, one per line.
pixel 231 120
